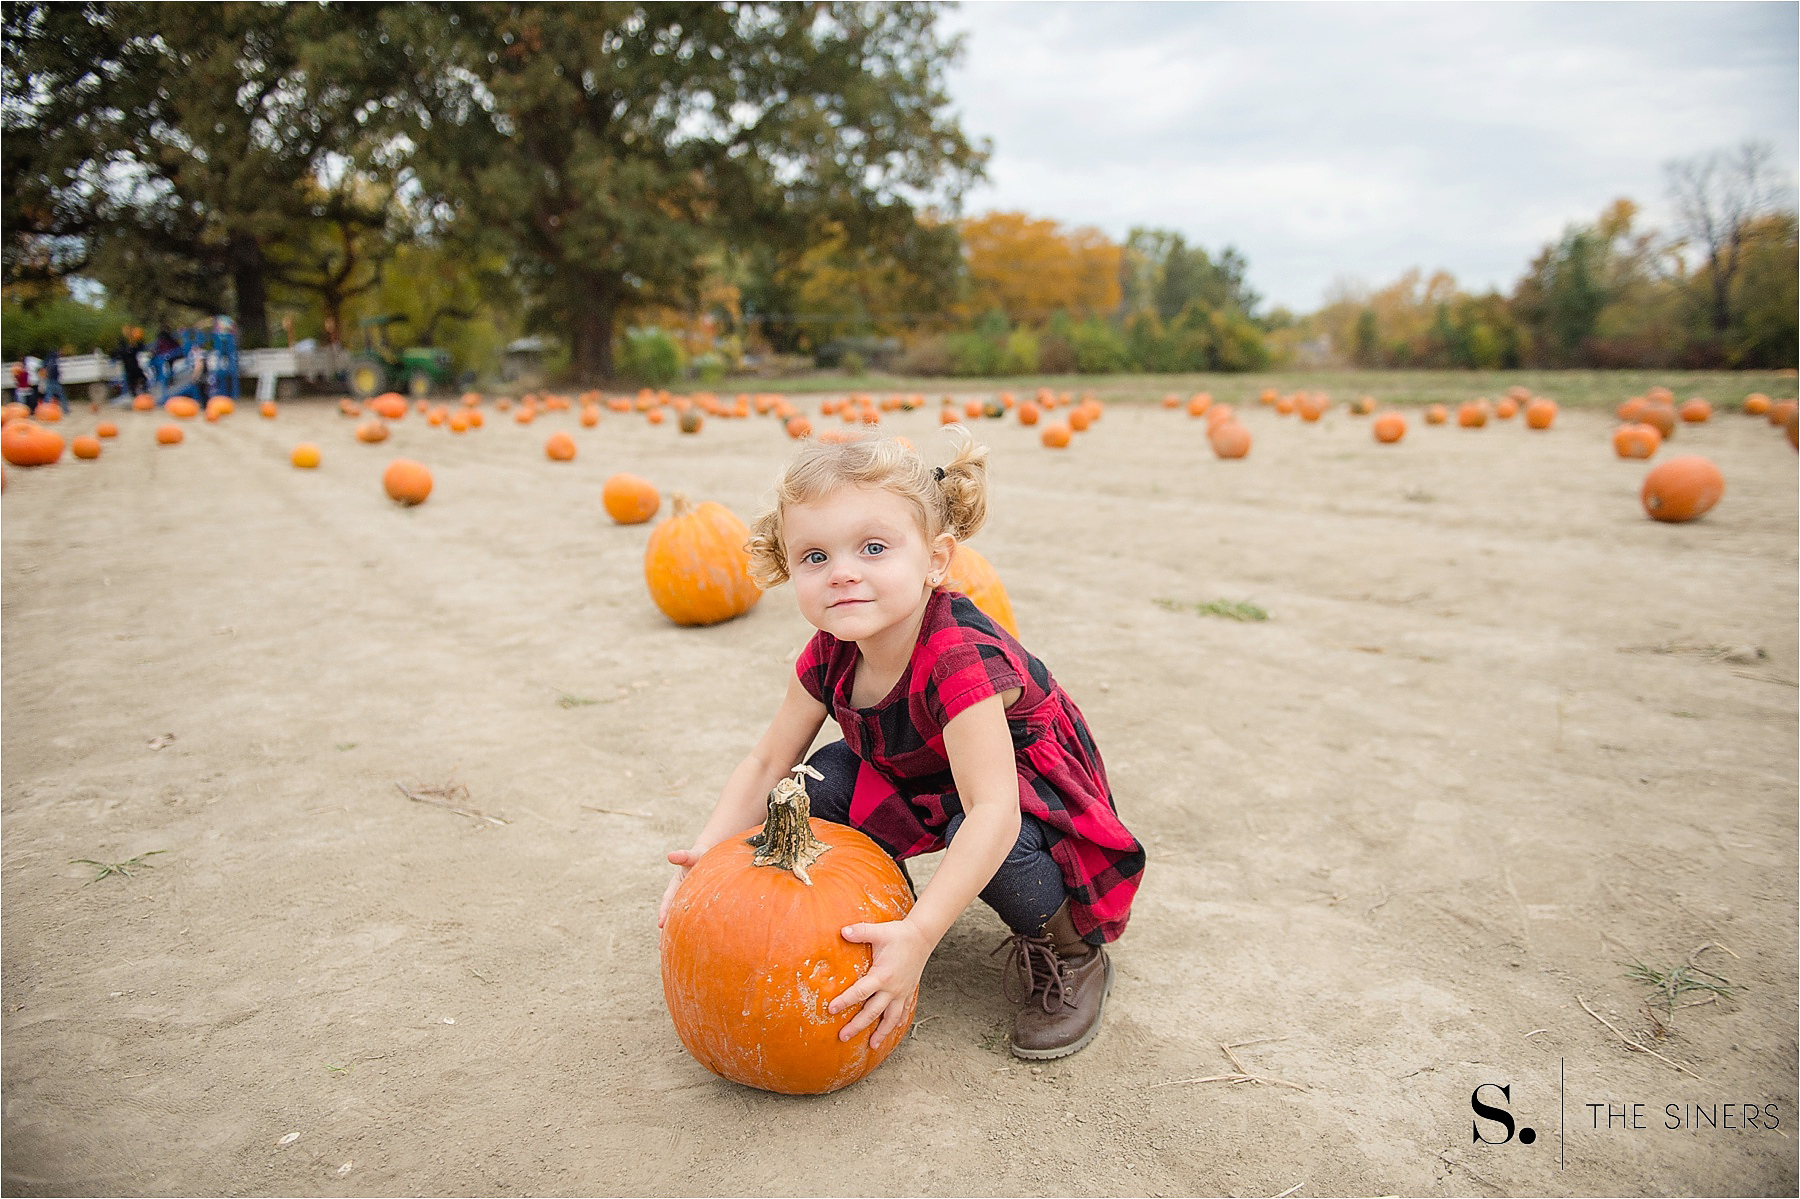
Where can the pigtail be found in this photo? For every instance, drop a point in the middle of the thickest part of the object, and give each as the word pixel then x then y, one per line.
pixel 768 554
pixel 962 487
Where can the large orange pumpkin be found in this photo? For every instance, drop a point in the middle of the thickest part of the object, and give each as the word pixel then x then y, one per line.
pixel 389 404
pixel 696 566
pixel 630 500
pixel 26 444
pixel 1472 414
pixel 406 482
pixel 1389 427
pixel 753 951
pixel 1682 489
pixel 975 577
pixel 1540 413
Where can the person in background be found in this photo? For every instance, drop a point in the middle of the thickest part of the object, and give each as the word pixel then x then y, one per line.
pixel 22 376
pixel 130 342
pixel 50 388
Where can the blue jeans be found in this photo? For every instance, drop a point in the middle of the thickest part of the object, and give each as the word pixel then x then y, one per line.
pixel 1025 891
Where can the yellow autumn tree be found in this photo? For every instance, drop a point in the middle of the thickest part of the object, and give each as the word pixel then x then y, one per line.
pixel 1031 268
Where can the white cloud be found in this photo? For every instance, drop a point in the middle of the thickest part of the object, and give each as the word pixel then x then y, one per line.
pixel 1361 139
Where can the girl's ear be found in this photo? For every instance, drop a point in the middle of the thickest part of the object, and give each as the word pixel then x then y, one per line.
pixel 943 548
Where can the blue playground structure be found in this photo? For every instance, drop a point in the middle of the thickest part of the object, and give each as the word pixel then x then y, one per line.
pixel 205 366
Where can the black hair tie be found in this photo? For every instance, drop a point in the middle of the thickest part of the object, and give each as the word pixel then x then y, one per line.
pixel 937 472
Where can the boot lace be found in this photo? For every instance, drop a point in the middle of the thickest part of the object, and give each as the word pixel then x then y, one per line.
pixel 1033 973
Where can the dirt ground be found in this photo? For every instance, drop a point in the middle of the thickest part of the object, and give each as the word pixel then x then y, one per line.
pixel 1500 738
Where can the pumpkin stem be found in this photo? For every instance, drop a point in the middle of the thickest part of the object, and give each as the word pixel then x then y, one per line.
pixel 786 840
pixel 680 505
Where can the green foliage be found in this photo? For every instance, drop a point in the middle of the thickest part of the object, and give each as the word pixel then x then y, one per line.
pixel 67 324
pixel 650 357
pixel 1098 348
pixel 608 151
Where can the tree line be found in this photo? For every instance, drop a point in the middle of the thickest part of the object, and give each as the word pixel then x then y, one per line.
pixel 744 178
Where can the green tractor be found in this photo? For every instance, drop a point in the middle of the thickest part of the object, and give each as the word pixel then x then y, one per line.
pixel 416 370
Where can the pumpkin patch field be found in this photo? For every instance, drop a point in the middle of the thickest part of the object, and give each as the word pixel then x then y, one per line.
pixel 334 824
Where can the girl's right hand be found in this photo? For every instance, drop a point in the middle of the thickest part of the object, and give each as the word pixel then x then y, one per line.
pixel 684 858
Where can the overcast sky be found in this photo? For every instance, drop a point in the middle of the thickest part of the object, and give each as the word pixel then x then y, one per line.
pixel 1355 140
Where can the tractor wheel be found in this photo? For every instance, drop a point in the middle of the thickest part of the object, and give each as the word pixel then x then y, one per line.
pixel 366 377
pixel 419 384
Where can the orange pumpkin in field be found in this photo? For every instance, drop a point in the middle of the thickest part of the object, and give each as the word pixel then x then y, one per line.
pixel 406 482
pixel 49 413
pixel 1198 404
pixel 1540 413
pixel 1389 427
pixel 560 448
pixel 1230 439
pixel 372 431
pixel 169 435
pixel 143 402
pixel 268 409
pixel 696 567
pixel 23 443
pixel 1437 414
pixel 752 951
pixel 798 427
pixel 1472 414
pixel 948 416
pixel 390 405
pixel 106 429
pixel 1779 413
pixel 1695 411
pixel 1055 435
pixel 85 447
pixel 975 577
pixel 1080 418
pixel 305 455
pixel 1636 440
pixel 630 500
pixel 1757 404
pixel 1662 416
pixel 1029 413
pixel 1505 408
pixel 1682 489
pixel 182 407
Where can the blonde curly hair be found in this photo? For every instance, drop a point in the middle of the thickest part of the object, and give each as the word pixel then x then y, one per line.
pixel 948 499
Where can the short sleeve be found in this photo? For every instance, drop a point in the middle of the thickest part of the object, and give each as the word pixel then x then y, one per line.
pixel 814 666
pixel 965 670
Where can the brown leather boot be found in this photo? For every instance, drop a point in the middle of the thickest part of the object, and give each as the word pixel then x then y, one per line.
pixel 1062 981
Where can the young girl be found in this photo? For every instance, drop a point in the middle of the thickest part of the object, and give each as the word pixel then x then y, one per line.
pixel 954 735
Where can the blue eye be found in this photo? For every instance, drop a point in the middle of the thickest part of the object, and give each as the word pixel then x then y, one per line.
pixel 812 558
pixel 873 548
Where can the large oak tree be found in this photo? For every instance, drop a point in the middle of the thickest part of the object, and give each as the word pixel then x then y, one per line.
pixel 610 150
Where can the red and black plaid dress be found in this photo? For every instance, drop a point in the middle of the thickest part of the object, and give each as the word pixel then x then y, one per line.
pixel 905 794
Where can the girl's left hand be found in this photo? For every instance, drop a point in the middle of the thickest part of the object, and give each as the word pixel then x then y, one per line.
pixel 886 992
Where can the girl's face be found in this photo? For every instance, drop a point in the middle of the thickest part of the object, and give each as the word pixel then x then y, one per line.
pixel 860 563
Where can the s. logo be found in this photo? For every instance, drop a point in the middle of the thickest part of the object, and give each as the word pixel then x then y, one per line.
pixel 1499 1115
